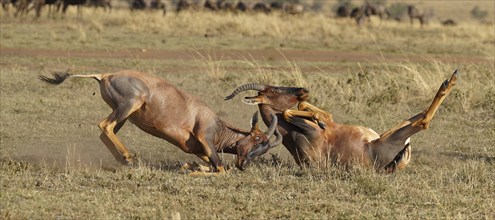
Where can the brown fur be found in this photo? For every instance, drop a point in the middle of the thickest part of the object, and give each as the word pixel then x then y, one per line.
pixel 160 109
pixel 314 139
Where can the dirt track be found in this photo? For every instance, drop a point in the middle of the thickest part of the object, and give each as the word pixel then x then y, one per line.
pixel 259 54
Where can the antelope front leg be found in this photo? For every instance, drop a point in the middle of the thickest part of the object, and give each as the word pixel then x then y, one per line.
pixel 288 114
pixel 211 155
pixel 201 170
pixel 197 167
pixel 313 116
pixel 305 106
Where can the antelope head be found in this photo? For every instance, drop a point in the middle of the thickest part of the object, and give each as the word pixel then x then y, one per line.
pixel 279 98
pixel 257 142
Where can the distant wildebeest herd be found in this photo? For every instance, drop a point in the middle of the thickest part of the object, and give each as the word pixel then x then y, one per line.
pixel 24 6
pixel 231 6
pixel 361 14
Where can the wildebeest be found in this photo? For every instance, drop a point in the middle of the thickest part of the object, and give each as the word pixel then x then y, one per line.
pixel 210 5
pixel 363 13
pixel 225 5
pixel 414 13
pixel 448 22
pixel 6 4
pixel 287 7
pixel 277 5
pixel 105 4
pixel 344 10
pixel 262 7
pixel 154 5
pixel 293 8
pixel 159 5
pixel 183 5
pixel 242 6
pixel 21 7
pixel 24 6
pixel 138 5
pixel 78 3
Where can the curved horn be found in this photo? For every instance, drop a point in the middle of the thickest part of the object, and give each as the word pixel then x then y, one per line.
pixel 276 141
pixel 249 86
pixel 272 127
pixel 265 148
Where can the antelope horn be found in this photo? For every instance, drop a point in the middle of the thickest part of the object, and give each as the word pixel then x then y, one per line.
pixel 263 150
pixel 249 86
pixel 276 141
pixel 272 127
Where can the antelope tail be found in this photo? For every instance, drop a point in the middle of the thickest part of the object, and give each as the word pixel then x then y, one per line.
pixel 60 77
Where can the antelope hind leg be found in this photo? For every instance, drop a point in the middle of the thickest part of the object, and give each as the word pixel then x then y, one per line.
pixel 118 150
pixel 111 125
pixel 422 120
pixel 442 93
pixel 393 145
pixel 119 156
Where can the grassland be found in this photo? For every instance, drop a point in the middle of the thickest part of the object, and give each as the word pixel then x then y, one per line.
pixel 53 165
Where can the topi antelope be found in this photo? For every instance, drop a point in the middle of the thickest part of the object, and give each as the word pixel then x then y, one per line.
pixel 160 109
pixel 313 138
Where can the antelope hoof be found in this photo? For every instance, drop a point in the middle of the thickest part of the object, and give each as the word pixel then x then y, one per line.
pixel 131 160
pixel 221 169
pixel 184 167
pixel 322 125
pixel 203 168
pixel 199 173
pixel 194 167
pixel 206 171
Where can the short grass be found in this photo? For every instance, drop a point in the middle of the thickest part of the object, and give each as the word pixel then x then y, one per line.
pixel 53 165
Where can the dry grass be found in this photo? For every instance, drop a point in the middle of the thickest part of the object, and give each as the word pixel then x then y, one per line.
pixel 197 30
pixel 52 164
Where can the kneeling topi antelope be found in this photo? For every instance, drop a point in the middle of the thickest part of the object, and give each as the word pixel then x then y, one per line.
pixel 160 109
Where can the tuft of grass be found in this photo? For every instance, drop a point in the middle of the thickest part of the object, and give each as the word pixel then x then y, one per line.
pixel 212 66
